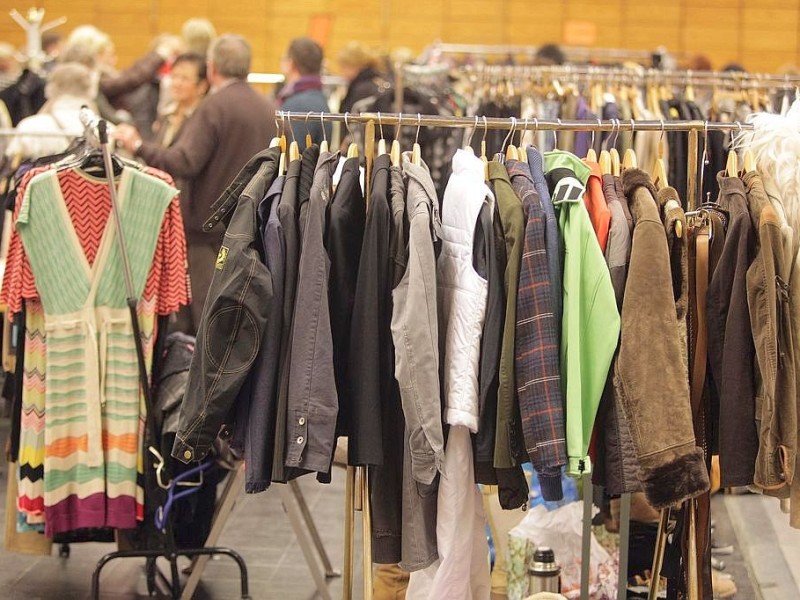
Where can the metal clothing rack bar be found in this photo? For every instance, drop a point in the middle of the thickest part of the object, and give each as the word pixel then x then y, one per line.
pixel 572 52
pixel 5 132
pixel 570 72
pixel 518 123
pixel 357 490
pixel 273 78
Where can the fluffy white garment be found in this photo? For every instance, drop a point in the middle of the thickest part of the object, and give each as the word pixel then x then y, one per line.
pixel 775 144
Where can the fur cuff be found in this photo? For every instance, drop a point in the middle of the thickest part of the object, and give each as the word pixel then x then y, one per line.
pixel 634 178
pixel 674 483
pixel 666 194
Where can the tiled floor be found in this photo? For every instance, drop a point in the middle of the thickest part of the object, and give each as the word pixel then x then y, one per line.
pixel 258 529
pixel 765 564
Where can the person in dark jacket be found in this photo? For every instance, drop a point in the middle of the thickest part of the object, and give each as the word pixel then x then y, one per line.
pixel 361 69
pixel 232 124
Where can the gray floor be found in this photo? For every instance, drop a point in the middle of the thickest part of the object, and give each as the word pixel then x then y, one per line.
pixel 258 529
pixel 765 563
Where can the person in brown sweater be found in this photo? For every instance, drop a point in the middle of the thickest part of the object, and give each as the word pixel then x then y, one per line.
pixel 232 123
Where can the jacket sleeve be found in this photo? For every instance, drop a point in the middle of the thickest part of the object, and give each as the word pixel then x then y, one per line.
pixel 190 155
pixel 139 73
pixel 231 333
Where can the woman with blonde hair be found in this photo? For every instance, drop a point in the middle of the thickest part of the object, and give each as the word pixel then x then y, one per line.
pixel 361 68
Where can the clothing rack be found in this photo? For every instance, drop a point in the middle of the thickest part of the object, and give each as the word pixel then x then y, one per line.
pixel 31 23
pixel 595 74
pixel 573 53
pixel 357 488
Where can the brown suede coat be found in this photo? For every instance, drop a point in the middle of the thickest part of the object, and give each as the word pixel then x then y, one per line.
pixel 650 374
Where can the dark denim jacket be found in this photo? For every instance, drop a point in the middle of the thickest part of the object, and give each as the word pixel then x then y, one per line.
pixel 235 313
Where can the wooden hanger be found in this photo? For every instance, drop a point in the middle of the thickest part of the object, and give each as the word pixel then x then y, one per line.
pixel 613 154
pixel 323 145
pixel 416 151
pixel 394 154
pixel 732 164
pixel 605 162
pixel 282 145
pixel 616 163
pixel 294 151
pixel 381 141
pixel 309 141
pixel 629 159
pixel 748 161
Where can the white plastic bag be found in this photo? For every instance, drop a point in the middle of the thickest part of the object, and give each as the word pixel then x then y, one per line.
pixel 560 530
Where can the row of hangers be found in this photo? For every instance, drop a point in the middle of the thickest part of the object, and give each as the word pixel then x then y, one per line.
pixel 352 149
pixel 497 86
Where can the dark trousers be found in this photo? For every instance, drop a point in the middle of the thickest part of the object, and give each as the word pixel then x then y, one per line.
pixel 201 259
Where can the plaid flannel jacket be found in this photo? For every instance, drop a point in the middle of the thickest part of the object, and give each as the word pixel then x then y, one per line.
pixel 538 373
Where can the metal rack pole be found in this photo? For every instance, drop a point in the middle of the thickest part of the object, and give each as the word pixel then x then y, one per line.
pixel 529 125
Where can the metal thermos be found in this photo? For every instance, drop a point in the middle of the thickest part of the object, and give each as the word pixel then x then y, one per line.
pixel 544 575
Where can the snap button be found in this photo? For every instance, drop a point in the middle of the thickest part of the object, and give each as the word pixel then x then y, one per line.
pixel 300 439
pixel 301 421
pixel 187 454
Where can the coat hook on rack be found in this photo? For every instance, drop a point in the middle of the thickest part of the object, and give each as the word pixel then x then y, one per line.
pixel 394 153
pixel 416 153
pixel 382 140
pixel 510 134
pixel 352 149
pixel 471 133
pixel 323 147
pixel 483 140
pixel 599 124
pixel 522 131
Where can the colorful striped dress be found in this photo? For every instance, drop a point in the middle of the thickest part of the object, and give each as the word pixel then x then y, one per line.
pixel 86 426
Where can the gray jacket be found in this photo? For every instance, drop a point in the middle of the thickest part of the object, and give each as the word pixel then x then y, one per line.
pixel 415 328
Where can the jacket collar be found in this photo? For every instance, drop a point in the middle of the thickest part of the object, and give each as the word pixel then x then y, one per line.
pixel 730 185
pixel 517 168
pixel 421 175
pixel 498 172
pixel 560 158
pixel 305 83
pixel 271 197
pixel 536 165
pixel 223 208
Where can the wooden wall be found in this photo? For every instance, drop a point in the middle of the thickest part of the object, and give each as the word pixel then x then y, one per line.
pixel 760 34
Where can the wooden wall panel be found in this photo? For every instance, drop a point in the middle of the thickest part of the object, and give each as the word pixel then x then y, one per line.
pixel 760 34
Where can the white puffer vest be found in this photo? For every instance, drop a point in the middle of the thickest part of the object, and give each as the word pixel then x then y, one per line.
pixel 462 291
